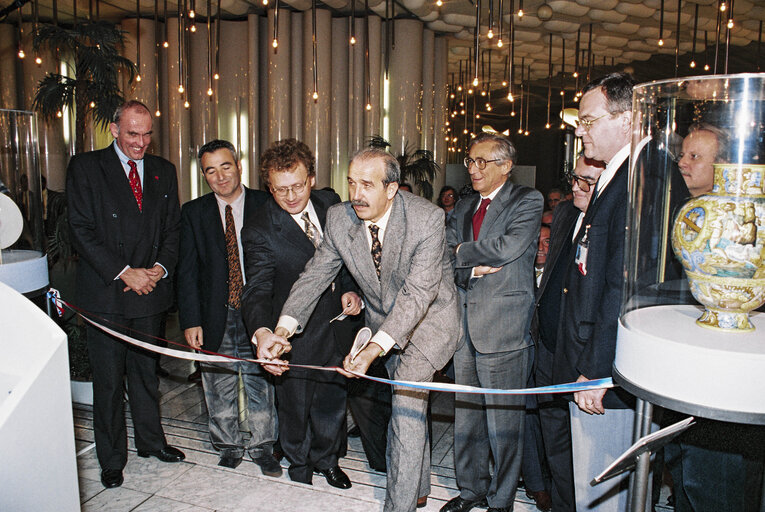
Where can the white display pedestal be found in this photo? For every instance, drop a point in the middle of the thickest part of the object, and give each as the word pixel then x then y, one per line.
pixel 38 466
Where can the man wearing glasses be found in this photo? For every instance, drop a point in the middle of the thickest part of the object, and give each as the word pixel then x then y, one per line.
pixel 493 240
pixel 601 421
pixel 553 409
pixel 278 243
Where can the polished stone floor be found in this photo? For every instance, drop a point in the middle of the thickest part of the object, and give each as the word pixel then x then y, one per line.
pixel 198 484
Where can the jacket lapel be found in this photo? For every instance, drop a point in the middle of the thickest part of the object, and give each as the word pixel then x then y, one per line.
pixel 285 225
pixel 496 207
pixel 213 224
pixel 467 223
pixel 117 181
pixel 391 247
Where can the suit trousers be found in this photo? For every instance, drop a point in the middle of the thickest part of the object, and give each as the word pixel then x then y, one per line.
pixel 311 406
pixel 596 441
pixel 555 424
pixel 408 451
pixel 113 361
pixel 489 427
pixel 370 405
pixel 221 388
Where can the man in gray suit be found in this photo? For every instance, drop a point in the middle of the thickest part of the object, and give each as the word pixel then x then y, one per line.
pixel 493 238
pixel 393 245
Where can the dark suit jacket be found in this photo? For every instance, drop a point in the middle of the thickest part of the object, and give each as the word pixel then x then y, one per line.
pixel 276 252
pixel 499 305
pixel 203 265
pixel 415 300
pixel 109 232
pixel 586 342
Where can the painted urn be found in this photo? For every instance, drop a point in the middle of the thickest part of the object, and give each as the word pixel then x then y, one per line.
pixel 720 240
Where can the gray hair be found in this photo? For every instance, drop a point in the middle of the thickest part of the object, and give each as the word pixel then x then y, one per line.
pixel 128 105
pixel 723 142
pixel 503 148
pixel 392 167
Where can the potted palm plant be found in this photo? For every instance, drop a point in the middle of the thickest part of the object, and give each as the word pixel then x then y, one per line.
pixel 417 165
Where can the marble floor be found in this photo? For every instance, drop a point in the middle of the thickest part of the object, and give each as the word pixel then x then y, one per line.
pixel 198 484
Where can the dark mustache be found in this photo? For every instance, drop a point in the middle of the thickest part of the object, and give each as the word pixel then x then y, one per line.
pixel 356 202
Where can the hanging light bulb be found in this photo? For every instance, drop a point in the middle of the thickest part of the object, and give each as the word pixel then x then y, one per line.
pixel 661 42
pixel 92 104
pixel 576 74
pixel 353 40
pixel 216 76
pixel 723 7
pixel 470 91
pixel 547 126
pixel 478 116
pixel 315 96
pixel 465 131
pixel 209 91
pixel 483 93
pixel 265 2
pixel 462 103
pixel 520 131
pixel 186 104
pixel 192 14
pixel 563 93
pixel 563 126
pixel 166 44
pixel 475 81
pixel 439 3
pixel 59 114
pixel 488 107
pixel 500 43
pixel 451 96
pixel 490 34
pixel 730 23
pixel 459 88
pixel 138 77
pixel 706 67
pixel 38 60
pixel 157 113
pixel 193 28
pixel 510 97
pixel 275 43
pixel 526 133
pixel 180 89
pixel 512 114
pixel 21 53
pixel 369 106
pixel 462 112
pixel 447 123
pixel 693 64
pixel 504 83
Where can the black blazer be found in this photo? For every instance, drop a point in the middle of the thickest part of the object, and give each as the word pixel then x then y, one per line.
pixel 203 265
pixel 276 252
pixel 586 343
pixel 109 232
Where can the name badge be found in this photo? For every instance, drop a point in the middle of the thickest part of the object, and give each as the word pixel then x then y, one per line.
pixel 581 252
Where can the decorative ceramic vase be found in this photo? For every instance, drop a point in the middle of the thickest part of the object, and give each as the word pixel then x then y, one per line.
pixel 720 239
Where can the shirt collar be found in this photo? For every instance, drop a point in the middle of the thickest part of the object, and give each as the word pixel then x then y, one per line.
pixel 383 222
pixel 236 203
pixel 122 156
pixel 611 167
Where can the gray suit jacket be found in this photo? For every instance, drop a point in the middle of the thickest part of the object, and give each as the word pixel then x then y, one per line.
pixel 415 299
pixel 498 306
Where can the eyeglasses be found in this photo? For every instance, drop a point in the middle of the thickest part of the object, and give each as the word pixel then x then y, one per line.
pixel 583 183
pixel 587 123
pixel 479 162
pixel 295 189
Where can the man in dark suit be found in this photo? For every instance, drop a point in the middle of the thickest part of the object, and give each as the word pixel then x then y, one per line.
pixel 553 409
pixel 124 217
pixel 277 245
pixel 601 420
pixel 209 301
pixel 393 245
pixel 493 238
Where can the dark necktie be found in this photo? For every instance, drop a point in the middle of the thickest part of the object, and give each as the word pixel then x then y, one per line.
pixel 135 184
pixel 478 217
pixel 376 247
pixel 310 230
pixel 235 281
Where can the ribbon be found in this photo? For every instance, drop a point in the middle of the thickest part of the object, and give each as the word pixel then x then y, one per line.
pixel 214 357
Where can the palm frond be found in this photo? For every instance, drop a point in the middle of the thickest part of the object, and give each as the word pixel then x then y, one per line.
pixel 53 93
pixel 377 141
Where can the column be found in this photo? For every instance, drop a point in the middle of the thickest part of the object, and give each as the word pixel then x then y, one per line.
pixel 405 85
pixel 178 120
pixel 279 80
pixel 231 94
pixel 373 117
pixel 440 104
pixel 339 106
pixel 253 99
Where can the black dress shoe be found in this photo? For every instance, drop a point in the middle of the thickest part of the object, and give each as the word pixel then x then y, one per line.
pixel 336 477
pixel 227 461
pixel 111 478
pixel 195 376
pixel 268 465
pixel 422 501
pixel 166 454
pixel 459 504
pixel 498 509
pixel 161 372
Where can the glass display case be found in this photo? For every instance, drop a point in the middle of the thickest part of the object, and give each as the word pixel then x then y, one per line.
pixel 23 263
pixel 690 337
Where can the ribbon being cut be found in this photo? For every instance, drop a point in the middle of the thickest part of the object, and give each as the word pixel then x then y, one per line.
pixel 213 357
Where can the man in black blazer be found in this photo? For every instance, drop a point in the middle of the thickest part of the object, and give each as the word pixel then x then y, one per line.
pixel 124 218
pixel 601 420
pixel 209 300
pixel 553 409
pixel 278 243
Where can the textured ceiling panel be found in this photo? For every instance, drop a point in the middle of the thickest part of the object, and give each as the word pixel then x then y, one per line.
pixel 599 4
pixel 441 26
pixel 464 20
pixel 607 16
pixel 622 28
pixel 560 26
pixel 637 10
pixel 568 7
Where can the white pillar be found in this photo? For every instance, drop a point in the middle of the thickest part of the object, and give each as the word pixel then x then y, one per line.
pixel 428 66
pixel 253 99
pixel 316 111
pixel 339 108
pixel 356 90
pixel 405 85
pixel 440 104
pixel 178 120
pixel 279 80
pixel 297 92
pixel 373 117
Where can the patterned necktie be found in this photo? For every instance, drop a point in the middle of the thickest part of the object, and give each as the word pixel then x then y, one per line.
pixel 478 217
pixel 376 248
pixel 135 184
pixel 235 281
pixel 310 230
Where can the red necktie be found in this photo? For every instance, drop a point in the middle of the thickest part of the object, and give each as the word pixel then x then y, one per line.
pixel 135 184
pixel 478 217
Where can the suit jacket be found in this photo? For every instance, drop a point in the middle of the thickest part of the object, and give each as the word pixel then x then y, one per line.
pixel 563 222
pixel 590 306
pixel 415 300
pixel 276 252
pixel 498 306
pixel 109 232
pixel 203 265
